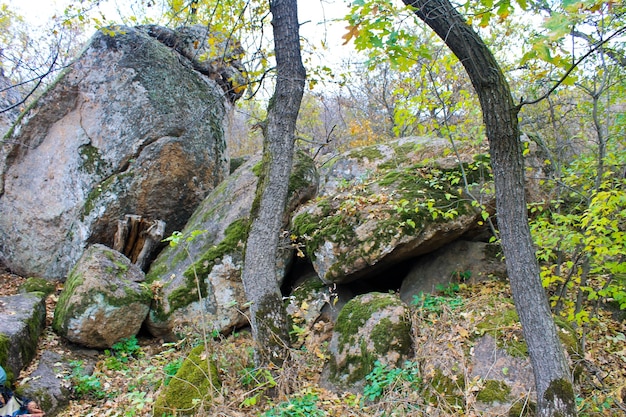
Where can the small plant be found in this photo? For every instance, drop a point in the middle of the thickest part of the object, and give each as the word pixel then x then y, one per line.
pixel 122 352
pixel 384 378
pixel 435 303
pixel 259 379
pixel 302 406
pixel 170 370
pixel 450 289
pixel 84 385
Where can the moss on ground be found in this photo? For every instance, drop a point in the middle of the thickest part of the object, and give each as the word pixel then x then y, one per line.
pixel 193 386
pixel 494 391
pixel 443 387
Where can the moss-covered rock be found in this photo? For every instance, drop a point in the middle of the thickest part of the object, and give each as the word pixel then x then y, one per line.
pixel 206 263
pixel 373 212
pixel 505 327
pixel 191 390
pixel 104 299
pixel 370 327
pixel 22 319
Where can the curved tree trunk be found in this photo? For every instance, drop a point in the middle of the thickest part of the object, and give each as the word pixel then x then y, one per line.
pixel 268 316
pixel 555 395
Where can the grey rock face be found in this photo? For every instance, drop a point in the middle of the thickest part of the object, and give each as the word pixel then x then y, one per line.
pixel 46 384
pixel 129 128
pixel 22 319
pixel 459 261
pixel 103 300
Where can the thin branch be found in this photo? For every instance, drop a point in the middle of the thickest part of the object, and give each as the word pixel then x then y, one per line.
pixel 32 91
pixel 569 71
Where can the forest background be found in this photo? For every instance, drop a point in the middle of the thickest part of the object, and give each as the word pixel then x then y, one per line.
pixel 564 60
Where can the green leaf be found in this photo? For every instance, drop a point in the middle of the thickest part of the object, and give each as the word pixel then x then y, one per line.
pixel 559 25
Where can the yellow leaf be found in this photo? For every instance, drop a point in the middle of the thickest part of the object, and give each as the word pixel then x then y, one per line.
pixel 352 32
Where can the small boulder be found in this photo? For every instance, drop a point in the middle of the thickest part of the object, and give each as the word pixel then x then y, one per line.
pixel 507 379
pixel 103 301
pixel 22 319
pixel 370 327
pixel 46 384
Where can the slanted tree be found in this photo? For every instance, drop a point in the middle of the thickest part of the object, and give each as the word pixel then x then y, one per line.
pixel 555 395
pixel 268 315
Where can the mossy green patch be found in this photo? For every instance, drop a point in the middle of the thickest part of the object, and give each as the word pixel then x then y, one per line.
pixel 193 386
pixel 5 345
pixel 356 313
pixel 73 281
pixel 450 389
pixel 235 236
pixel 368 152
pixel 494 391
pixel 257 169
pixel 92 160
pixel 40 285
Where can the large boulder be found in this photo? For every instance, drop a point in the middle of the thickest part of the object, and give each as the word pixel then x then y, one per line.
pixel 209 254
pixel 22 319
pixel 104 300
pixel 383 204
pixel 129 128
pixel 370 327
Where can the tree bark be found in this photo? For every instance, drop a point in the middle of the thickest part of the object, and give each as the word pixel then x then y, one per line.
pixel 555 394
pixel 268 316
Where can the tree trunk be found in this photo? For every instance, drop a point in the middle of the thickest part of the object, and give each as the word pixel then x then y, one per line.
pixel 268 316
pixel 555 394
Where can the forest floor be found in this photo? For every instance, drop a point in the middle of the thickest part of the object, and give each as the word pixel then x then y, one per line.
pixel 126 381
